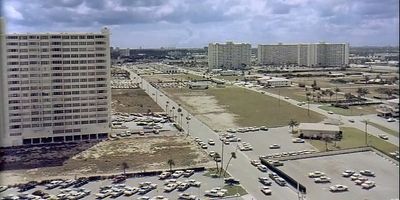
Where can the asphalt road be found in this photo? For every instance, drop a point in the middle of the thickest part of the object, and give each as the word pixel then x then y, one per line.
pixel 239 168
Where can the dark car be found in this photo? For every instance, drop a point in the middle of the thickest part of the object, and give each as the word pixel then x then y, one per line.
pixel 231 181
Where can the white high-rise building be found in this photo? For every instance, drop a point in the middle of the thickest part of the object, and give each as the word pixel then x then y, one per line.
pixel 312 55
pixel 55 87
pixel 230 55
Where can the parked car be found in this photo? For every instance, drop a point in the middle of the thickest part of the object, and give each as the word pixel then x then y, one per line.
pixel 355 176
pixel 391 120
pixel 298 140
pixel 360 180
pixel 264 181
pixel 255 162
pixel 211 142
pixel 231 181
pixel 316 174
pixel 164 175
pixel 177 174
pixel 368 185
pixel 263 128
pixel 214 193
pixel 266 190
pixel 322 179
pixel 129 191
pixel 187 196
pixel 330 112
pixel 274 146
pixel 3 188
pixel 194 183
pixel 280 181
pixel 338 188
pixel 348 173
pixel 188 173
pixel 367 173
pixel 183 186
pixel 262 168
pixel 170 187
pixel 351 120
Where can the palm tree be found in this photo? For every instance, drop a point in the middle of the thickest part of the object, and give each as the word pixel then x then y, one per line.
pixel 125 166
pixel 233 155
pixel 216 157
pixel 292 124
pixel 166 107
pixel 388 92
pixel 330 94
pixel 170 163
pixel 337 90
pixel 173 112
pixel 348 96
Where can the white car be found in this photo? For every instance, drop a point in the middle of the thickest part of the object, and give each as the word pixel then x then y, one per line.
pixel 266 190
pixel 355 176
pixel 391 120
pixel 360 180
pixel 286 97
pixel 368 185
pixel 348 173
pixel 194 183
pixel 274 146
pixel 262 168
pixel 338 188
pixel 164 175
pixel 129 191
pixel 322 179
pixel 330 112
pixel 255 162
pixel 211 142
pixel 177 174
pixel 367 173
pixel 214 193
pixel 170 187
pixel 298 140
pixel 187 196
pixel 383 136
pixel 316 174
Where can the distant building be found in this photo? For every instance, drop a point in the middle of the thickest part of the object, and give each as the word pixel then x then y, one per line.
pixel 336 75
pixel 311 55
pixel 229 73
pixel 318 130
pixel 274 82
pixel 229 56
pixel 55 87
pixel 389 109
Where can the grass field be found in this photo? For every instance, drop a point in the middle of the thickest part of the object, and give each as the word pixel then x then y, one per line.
pixel 352 111
pixel 132 101
pixel 382 128
pixel 295 93
pixel 234 189
pixel 353 137
pixel 255 109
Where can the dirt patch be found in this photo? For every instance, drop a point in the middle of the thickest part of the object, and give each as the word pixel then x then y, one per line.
pixel 141 154
pixel 205 107
pixel 132 101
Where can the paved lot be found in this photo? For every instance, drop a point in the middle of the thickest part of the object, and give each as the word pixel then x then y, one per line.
pixel 207 183
pixel 261 140
pixel 387 176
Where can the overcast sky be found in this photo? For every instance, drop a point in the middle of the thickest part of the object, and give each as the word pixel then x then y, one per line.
pixel 195 23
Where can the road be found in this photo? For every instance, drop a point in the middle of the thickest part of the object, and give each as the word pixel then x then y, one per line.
pixel 239 168
pixel 358 121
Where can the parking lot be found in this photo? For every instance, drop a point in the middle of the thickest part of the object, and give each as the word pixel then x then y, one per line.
pixel 207 183
pixel 261 140
pixel 386 179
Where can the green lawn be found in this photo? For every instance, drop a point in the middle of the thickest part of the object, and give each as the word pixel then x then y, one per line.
pixel 353 137
pixel 234 189
pixel 384 129
pixel 295 93
pixel 214 171
pixel 352 111
pixel 255 109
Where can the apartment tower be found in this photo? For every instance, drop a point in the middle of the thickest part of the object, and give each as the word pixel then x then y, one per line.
pixel 230 55
pixel 55 87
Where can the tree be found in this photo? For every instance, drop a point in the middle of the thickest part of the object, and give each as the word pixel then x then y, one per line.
pixel 330 93
pixel 348 96
pixel 337 90
pixel 179 111
pixel 327 140
pixel 171 163
pixel 362 92
pixel 292 124
pixel 366 79
pixel 233 155
pixel 314 85
pixel 388 92
pixel 216 157
pixel 125 166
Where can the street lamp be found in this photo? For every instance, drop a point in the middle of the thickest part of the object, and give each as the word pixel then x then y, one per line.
pixel 366 132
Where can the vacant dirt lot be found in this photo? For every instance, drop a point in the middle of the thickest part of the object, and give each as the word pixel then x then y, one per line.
pixel 132 101
pixel 106 157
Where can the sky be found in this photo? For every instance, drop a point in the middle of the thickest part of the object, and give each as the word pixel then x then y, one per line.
pixel 195 23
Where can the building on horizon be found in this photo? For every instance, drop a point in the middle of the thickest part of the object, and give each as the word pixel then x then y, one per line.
pixel 311 55
pixel 55 87
pixel 229 55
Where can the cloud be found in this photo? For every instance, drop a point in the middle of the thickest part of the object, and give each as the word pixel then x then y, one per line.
pixel 194 23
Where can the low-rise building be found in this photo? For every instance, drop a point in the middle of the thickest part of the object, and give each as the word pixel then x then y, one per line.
pixel 199 85
pixel 268 81
pixel 389 109
pixel 318 130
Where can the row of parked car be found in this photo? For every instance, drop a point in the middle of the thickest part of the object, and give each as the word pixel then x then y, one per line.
pixel 246 129
pixel 291 153
pixel 360 178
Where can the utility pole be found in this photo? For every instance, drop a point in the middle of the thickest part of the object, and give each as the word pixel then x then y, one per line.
pixel 366 133
pixel 222 157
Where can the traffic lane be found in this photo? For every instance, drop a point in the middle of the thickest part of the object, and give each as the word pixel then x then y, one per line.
pixel 381 121
pixel 387 176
